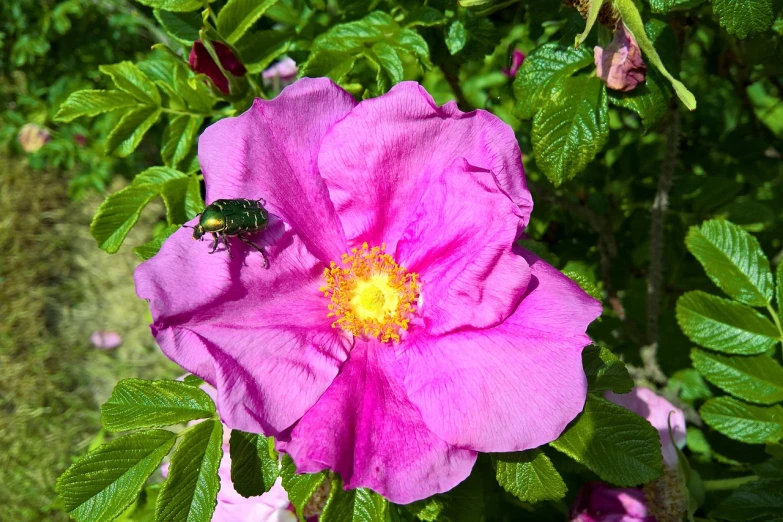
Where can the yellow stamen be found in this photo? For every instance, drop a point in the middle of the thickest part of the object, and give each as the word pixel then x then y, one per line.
pixel 370 294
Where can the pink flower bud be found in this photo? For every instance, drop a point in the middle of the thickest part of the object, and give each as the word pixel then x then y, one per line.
pixel 620 65
pixel 32 137
pixel 599 502
pixel 517 59
pixel 105 340
pixel 285 71
pixel 201 62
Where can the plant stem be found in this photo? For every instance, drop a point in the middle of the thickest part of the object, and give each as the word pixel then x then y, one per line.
pixel 495 8
pixel 774 315
pixel 453 78
pixel 732 483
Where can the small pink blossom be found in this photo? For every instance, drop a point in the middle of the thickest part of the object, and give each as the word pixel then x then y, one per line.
pixel 105 340
pixel 201 62
pixel 398 330
pixel 517 59
pixel 599 502
pixel 32 137
pixel 656 410
pixel 620 65
pixel 284 71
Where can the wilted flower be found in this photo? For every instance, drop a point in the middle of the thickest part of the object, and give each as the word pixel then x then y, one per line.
pixel 105 340
pixel 432 339
pixel 620 65
pixel 201 61
pixel 517 59
pixel 599 502
pixel 284 71
pixel 32 137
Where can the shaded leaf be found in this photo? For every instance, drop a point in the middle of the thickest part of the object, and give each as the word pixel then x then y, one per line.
pixel 529 476
pixel 300 487
pixel 356 505
pixel 150 248
pixel 743 422
pixel 130 130
pixel 254 463
pixel 179 137
pixel 237 16
pixel 605 371
pixel 744 17
pixel 183 26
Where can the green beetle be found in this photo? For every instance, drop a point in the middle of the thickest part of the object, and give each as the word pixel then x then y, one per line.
pixel 233 217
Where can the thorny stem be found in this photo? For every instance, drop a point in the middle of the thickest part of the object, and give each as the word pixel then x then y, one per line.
pixel 655 278
pixel 731 483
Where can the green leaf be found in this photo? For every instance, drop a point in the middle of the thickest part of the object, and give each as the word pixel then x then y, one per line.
pixel 570 129
pixel 412 43
pixel 100 485
pixel 743 422
pixel 356 505
pixel 150 248
pixel 425 16
pixel 183 27
pixel 258 50
pixel 130 130
pixel 779 290
pixel 757 500
pixel 117 215
pixel 389 60
pixel 299 487
pixel 179 137
pixel 756 379
pixel 254 463
pixel 733 259
pixel 664 6
pixel 689 385
pixel 190 491
pixel 198 97
pixel 744 17
pixel 723 325
pixel 130 79
pixel 464 503
pixel 617 444
pixel 93 102
pixel 173 5
pixel 136 403
pixel 456 37
pixel 648 100
pixel 584 283
pixel 237 16
pixel 542 70
pixel 605 371
pixel 529 476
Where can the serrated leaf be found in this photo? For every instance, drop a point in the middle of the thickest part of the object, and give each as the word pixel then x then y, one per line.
pixel 300 487
pixel 571 128
pixel 744 422
pixel 103 483
pixel 93 102
pixel 464 503
pixel 756 379
pixel 744 17
pixel 605 371
pixel 179 137
pixel 529 476
pixel 258 50
pixel 150 248
pixel 425 16
pixel 130 130
pixel 182 198
pixel 389 60
pixel 136 403
pixel 129 78
pixel 254 463
pixel 649 100
pixel 456 37
pixel 779 290
pixel 412 43
pixel 198 97
pixel 173 5
pixel 237 16
pixel 356 505
pixel 190 491
pixel 617 444
pixel 733 259
pixel 546 66
pixel 117 215
pixel 183 26
pixel 664 6
pixel 584 283
pixel 724 325
pixel 753 500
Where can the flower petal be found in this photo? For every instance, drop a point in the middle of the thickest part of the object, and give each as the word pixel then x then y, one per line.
pixel 270 152
pixel 260 336
pixel 470 277
pixel 378 160
pixel 512 387
pixel 366 429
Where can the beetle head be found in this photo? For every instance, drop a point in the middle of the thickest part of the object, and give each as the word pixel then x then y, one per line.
pixel 198 232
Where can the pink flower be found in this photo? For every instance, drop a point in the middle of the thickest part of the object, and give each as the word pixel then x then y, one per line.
pixel 105 340
pixel 32 137
pixel 517 59
pixel 433 339
pixel 656 410
pixel 284 71
pixel 620 65
pixel 201 62
pixel 598 502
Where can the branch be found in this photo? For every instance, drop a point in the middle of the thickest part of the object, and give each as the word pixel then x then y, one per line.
pixel 453 78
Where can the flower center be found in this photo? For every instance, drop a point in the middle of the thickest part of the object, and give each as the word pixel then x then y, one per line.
pixel 371 294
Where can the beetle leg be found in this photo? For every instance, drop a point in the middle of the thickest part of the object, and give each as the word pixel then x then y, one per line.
pixel 228 248
pixel 215 243
pixel 247 241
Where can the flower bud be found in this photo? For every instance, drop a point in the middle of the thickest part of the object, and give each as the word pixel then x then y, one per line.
pixel 620 64
pixel 284 71
pixel 599 502
pixel 32 137
pixel 105 340
pixel 517 59
pixel 201 62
